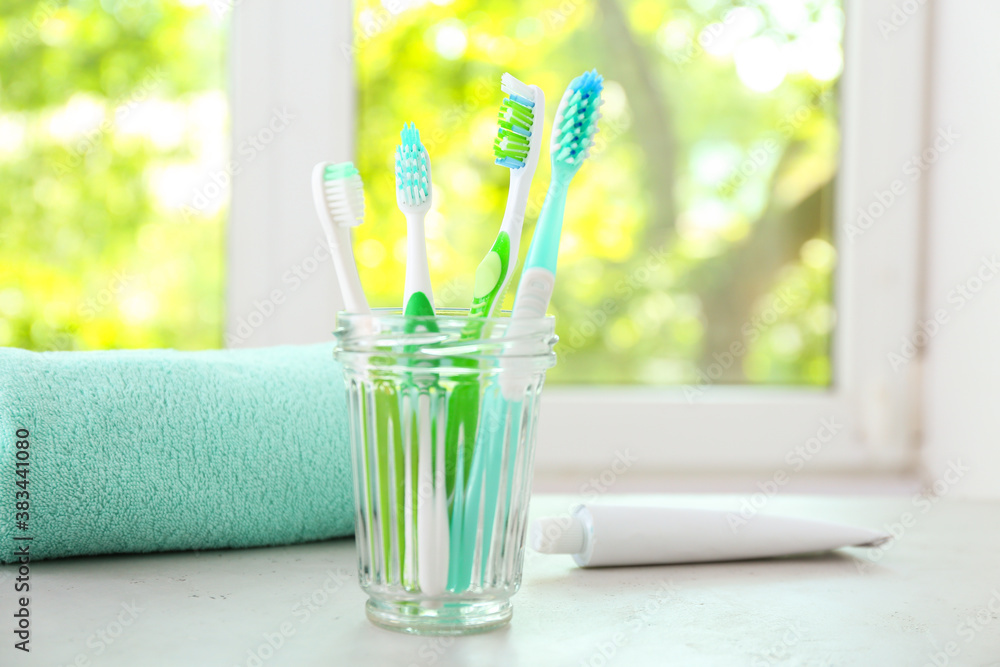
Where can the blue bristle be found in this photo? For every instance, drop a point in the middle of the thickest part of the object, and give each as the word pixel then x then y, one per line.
pixel 517 129
pixel 508 162
pixel 412 166
pixel 522 100
pixel 588 82
pixel 515 120
pixel 574 133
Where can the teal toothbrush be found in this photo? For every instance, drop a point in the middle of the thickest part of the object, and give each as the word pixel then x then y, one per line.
pixel 572 137
pixel 516 147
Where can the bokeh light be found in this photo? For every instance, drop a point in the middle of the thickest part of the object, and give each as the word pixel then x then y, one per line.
pixel 706 198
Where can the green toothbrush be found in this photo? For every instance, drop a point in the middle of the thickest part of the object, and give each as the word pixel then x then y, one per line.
pixel 572 136
pixel 517 147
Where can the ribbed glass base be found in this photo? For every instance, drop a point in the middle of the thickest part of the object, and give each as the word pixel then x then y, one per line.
pixel 429 617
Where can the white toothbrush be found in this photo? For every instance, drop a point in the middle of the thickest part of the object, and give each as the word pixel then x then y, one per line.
pixel 413 196
pixel 340 203
pixel 433 535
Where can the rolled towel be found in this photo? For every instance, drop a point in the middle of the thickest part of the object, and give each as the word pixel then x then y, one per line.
pixel 159 450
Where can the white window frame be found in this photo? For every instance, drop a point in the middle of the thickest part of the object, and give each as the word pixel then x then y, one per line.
pixel 293 55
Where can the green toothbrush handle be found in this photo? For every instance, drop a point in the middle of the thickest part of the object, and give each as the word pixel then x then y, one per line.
pixel 544 250
pixel 491 276
pixel 418 306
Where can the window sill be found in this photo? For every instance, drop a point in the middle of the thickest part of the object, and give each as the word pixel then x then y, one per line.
pixel 827 609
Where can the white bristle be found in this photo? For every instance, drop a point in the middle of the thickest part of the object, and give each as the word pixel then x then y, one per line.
pixel 509 84
pixel 345 198
pixel 413 185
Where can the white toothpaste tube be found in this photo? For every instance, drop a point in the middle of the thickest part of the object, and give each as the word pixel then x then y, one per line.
pixel 614 535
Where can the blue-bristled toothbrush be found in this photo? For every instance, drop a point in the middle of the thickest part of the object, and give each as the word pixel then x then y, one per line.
pixel 413 196
pixel 572 137
pixel 340 203
pixel 516 147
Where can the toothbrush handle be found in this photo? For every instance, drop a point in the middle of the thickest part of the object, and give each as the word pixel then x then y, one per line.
pixel 517 202
pixel 531 302
pixel 535 289
pixel 347 271
pixel 418 273
pixel 491 276
pixel 544 250
pixel 533 293
pixel 495 271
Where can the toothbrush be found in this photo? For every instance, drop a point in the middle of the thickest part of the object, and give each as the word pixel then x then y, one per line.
pixel 572 136
pixel 516 147
pixel 340 203
pixel 413 196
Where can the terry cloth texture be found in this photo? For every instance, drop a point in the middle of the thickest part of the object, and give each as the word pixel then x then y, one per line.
pixel 159 450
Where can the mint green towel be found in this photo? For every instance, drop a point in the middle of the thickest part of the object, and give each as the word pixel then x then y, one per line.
pixel 158 450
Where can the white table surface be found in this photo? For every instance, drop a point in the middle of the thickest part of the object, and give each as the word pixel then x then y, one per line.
pixel 214 607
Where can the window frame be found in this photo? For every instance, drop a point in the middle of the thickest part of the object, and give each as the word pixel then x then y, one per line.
pixel 281 285
pixel 868 420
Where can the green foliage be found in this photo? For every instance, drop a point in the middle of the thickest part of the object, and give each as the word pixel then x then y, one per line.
pixel 91 257
pixel 701 201
pixel 700 225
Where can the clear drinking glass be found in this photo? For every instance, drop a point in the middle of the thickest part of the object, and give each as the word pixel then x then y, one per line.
pixel 443 413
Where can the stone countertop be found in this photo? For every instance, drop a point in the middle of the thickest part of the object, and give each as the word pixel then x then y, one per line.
pixel 931 597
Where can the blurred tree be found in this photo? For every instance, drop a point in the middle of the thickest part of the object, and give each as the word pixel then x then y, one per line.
pixel 697 237
pixel 697 240
pixel 103 105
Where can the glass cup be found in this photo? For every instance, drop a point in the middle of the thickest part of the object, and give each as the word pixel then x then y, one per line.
pixel 443 414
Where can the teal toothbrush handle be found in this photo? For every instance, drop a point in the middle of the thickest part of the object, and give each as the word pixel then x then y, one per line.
pixel 542 254
pixel 544 250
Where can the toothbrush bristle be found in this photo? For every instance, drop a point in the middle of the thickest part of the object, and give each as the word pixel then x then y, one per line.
pixel 344 193
pixel 412 168
pixel 514 123
pixel 576 120
pixel 340 170
pixel 513 86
